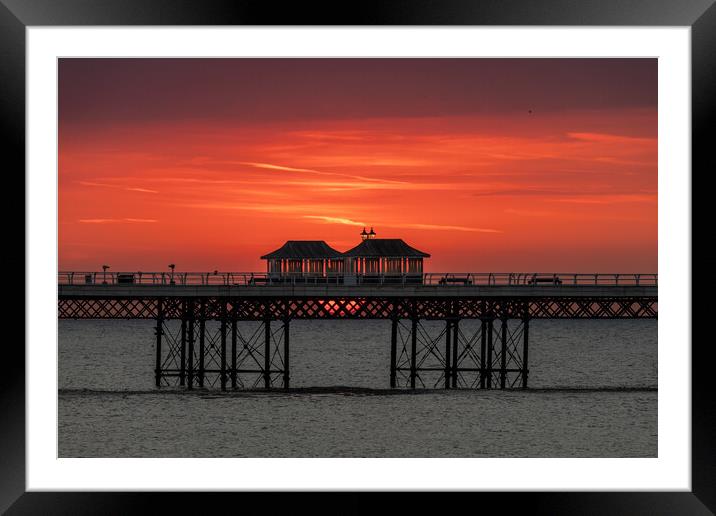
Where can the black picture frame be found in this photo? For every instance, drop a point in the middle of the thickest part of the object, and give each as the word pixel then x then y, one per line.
pixel 700 15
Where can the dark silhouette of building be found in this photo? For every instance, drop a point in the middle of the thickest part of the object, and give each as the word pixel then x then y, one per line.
pixel 304 258
pixel 373 260
pixel 384 257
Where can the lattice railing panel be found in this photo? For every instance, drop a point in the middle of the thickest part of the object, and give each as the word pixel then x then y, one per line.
pixel 361 308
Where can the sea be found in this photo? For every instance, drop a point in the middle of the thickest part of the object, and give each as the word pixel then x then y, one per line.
pixel 592 393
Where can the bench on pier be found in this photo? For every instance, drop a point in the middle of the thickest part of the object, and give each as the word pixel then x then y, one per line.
pixel 125 279
pixel 553 280
pixel 461 281
pixel 391 279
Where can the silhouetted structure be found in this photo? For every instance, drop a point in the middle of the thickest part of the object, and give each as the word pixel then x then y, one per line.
pixel 238 335
pixel 303 258
pixel 391 258
pixel 373 260
pixel 223 330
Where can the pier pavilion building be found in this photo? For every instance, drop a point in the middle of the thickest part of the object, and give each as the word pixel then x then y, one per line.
pixel 303 258
pixel 384 257
pixel 373 260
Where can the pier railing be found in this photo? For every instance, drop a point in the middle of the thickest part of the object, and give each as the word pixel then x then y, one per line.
pixel 442 279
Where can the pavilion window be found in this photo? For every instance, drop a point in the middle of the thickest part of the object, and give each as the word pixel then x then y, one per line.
pixel 372 266
pixel 393 265
pixel 295 266
pixel 274 266
pixel 315 266
pixel 335 266
pixel 415 265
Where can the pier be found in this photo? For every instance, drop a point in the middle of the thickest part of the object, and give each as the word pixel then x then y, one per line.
pixel 232 330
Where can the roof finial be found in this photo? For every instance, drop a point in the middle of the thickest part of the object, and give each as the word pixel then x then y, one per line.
pixel 363 234
pixel 372 233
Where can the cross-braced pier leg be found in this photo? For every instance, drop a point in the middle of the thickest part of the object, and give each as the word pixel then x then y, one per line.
pixel 231 353
pixel 159 331
pixel 448 344
pixel 202 342
pixel 262 354
pixel 286 354
pixel 182 351
pixel 393 351
pixel 418 358
pixel 267 354
pixel 488 364
pixel 172 338
pixel 525 349
pixel 455 357
pixel 413 354
pixel 459 353
pixel 507 353
pixel 483 351
pixel 503 355
pixel 223 349
pixel 467 355
pixel 190 342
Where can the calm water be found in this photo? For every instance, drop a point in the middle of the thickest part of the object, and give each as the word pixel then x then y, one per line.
pixel 593 394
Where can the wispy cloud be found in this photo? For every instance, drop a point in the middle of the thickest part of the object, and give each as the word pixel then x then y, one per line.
pixel 144 190
pixel 115 221
pixel 398 225
pixel 440 227
pixel 595 196
pixel 532 213
pixel 609 138
pixel 335 220
pixel 609 199
pixel 271 166
pixel 274 209
pixel 280 167
pixel 117 187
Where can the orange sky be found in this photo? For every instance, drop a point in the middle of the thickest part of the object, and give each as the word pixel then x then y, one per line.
pixel 511 165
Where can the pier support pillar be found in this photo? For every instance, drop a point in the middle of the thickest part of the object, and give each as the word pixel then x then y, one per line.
pixel 182 351
pixel 202 336
pixel 222 330
pixel 286 369
pixel 267 354
pixel 448 344
pixel 393 351
pixel 488 369
pixel 190 341
pixel 503 355
pixel 233 353
pixel 158 359
pixel 525 349
pixel 455 337
pixel 483 346
pixel 413 353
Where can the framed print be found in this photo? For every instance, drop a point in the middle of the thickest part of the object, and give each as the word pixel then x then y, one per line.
pixel 410 249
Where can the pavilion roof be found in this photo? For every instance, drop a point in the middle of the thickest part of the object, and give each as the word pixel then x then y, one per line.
pixel 303 249
pixel 385 247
